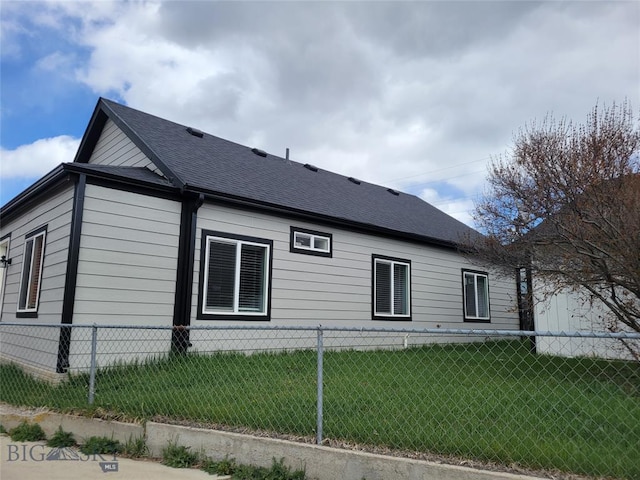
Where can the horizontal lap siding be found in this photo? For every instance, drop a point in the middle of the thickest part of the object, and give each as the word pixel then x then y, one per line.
pixel 128 258
pixel 126 275
pixel 38 347
pixel 309 290
pixel 116 149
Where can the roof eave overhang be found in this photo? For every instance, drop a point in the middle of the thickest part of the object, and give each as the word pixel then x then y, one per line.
pixel 319 218
pixel 62 174
pixel 45 184
pixel 107 175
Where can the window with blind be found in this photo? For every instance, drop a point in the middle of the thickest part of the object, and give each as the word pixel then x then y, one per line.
pixel 476 296
pixel 235 274
pixel 391 289
pixel 31 278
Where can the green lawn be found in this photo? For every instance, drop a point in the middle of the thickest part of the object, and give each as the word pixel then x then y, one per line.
pixel 491 402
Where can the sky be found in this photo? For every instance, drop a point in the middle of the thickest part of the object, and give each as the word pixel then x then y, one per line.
pixel 417 96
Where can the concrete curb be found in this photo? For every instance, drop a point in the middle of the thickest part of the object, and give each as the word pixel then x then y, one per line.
pixel 319 462
pixel 82 427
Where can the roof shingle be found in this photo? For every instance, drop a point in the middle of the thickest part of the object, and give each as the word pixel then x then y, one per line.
pixel 221 167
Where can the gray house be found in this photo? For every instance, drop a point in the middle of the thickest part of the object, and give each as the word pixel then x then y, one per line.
pixel 156 223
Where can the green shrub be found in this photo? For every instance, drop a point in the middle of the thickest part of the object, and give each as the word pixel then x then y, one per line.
pixel 101 445
pixel 61 439
pixel 279 471
pixel 26 432
pixel 179 456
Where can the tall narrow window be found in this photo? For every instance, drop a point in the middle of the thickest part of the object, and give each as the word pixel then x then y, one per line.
pixel 476 296
pixel 391 288
pixel 235 276
pixel 31 278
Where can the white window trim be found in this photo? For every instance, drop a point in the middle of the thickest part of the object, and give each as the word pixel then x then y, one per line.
pixel 24 251
pixel 475 291
pixel 3 272
pixel 312 238
pixel 392 263
pixel 236 292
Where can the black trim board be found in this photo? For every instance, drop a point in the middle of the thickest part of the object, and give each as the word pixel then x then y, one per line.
pixel 203 249
pixel 294 214
pixel 71 276
pixel 92 134
pixel 184 273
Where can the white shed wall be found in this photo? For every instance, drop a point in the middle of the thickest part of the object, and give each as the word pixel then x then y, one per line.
pixel 573 312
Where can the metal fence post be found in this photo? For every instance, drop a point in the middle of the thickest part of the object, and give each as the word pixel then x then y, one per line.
pixel 320 385
pixel 92 371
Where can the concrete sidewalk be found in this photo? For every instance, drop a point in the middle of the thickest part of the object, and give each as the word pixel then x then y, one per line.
pixel 36 461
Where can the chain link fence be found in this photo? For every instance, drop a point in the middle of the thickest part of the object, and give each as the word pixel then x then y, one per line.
pixel 537 400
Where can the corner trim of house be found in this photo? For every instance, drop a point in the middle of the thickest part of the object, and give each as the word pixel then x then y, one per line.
pixel 71 276
pixel 184 272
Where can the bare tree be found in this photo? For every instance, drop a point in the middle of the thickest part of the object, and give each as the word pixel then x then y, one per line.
pixel 565 202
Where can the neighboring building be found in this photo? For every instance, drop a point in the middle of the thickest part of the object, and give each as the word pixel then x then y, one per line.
pixel 575 312
pixel 155 223
pixel 596 226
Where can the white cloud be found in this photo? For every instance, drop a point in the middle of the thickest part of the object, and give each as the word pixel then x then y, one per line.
pixel 458 208
pixel 38 158
pixel 413 95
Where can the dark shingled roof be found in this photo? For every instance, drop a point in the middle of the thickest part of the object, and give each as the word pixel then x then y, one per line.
pixel 223 168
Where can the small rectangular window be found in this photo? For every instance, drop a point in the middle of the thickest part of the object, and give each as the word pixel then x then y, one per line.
pixel 310 242
pixel 476 296
pixel 235 276
pixel 391 288
pixel 31 278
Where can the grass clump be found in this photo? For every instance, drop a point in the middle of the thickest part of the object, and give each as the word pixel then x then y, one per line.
pixel 61 439
pixel 2 429
pixel 135 447
pixel 223 467
pixel 101 446
pixel 26 432
pixel 179 456
pixel 278 470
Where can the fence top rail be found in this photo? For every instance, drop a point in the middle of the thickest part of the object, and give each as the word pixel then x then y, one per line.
pixel 406 331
